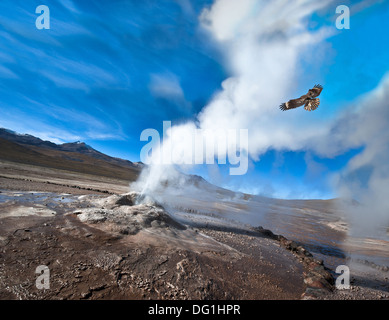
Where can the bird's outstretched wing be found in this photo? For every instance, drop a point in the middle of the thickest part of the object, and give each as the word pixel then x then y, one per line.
pixel 294 103
pixel 315 91
pixel 312 104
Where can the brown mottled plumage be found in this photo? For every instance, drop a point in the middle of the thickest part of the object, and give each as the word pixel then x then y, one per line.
pixel 309 100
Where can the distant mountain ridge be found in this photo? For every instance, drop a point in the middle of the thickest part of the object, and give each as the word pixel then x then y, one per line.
pixel 25 139
pixel 75 156
pixel 78 146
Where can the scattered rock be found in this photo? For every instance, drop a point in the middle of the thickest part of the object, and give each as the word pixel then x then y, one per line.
pixel 317 277
pixel 126 217
pixel 128 199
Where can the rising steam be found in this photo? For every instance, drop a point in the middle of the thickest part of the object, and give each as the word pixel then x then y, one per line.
pixel 264 42
pixel 261 48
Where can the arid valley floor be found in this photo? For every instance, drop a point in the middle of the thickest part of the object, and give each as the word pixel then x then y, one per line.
pixel 99 243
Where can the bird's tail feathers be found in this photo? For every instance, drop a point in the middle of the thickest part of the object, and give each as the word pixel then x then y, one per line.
pixel 312 104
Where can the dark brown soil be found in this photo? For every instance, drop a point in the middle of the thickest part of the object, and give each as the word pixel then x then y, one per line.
pixel 87 263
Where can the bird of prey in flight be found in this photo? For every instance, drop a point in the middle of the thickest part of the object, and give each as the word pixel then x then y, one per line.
pixel 309 100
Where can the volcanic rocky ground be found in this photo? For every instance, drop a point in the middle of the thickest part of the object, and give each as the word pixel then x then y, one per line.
pixel 99 247
pixel 101 240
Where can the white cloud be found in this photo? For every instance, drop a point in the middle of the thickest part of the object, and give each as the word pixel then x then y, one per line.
pixel 224 18
pixel 366 177
pixel 231 20
pixel 166 86
pixel 263 42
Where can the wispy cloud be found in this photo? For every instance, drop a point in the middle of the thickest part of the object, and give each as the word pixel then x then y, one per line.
pixel 45 132
pixel 6 73
pixel 69 5
pixel 166 86
pixel 115 62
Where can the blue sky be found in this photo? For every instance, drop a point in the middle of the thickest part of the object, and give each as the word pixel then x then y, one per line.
pixel 106 70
